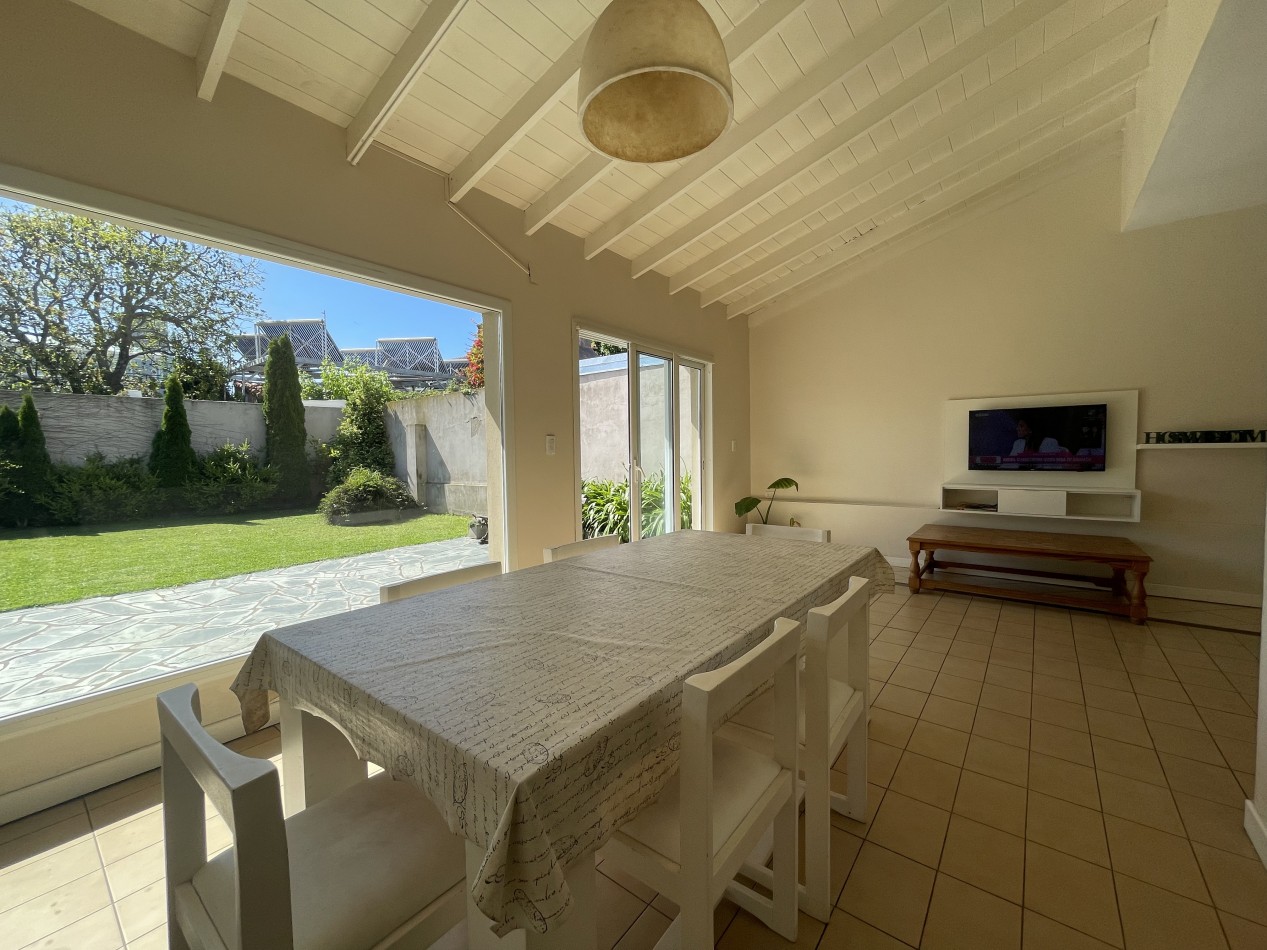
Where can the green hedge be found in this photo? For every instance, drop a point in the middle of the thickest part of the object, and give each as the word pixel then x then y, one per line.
pixel 365 490
pixel 605 506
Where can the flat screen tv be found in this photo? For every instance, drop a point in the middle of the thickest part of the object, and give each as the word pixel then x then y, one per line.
pixel 1037 439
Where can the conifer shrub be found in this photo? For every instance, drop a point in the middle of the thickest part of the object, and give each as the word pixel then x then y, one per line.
pixel 31 478
pixel 172 458
pixel 286 436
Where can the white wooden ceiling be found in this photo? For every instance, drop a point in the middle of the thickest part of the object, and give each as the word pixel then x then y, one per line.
pixel 857 121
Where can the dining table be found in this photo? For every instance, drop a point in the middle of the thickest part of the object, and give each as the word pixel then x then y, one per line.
pixel 539 709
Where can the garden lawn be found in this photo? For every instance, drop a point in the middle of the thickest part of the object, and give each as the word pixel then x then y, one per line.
pixel 59 565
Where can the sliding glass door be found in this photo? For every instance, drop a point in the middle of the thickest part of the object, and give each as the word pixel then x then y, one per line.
pixel 640 420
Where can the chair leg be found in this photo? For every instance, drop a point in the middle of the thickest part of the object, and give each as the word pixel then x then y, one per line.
pixel 783 914
pixel 817 895
pixel 854 803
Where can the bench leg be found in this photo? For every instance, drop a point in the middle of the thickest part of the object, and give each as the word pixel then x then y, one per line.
pixel 913 580
pixel 1139 602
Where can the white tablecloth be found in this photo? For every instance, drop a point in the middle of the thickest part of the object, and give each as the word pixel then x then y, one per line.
pixel 540 709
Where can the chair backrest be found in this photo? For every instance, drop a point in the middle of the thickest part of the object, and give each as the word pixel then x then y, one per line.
pixel 789 532
pixel 708 699
pixel 825 653
pixel 247 794
pixel 576 548
pixel 425 585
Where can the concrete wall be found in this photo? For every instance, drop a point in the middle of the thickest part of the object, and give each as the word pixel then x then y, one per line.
pixel 123 426
pixel 250 160
pixel 1045 295
pixel 441 451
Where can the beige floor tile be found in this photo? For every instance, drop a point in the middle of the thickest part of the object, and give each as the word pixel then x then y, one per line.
pixel 1123 758
pixel 913 677
pixel 844 852
pixel 1055 666
pixel 1246 781
pixel 1013 701
pixel 97 931
pixel 1002 727
pixel 1115 700
pixel 55 909
pixel 889 892
pixel 957 688
pixel 884 646
pixel 748 933
pixel 1113 679
pixel 975 646
pixel 38 843
pixel 949 712
pixel 997 759
pixel 1237 753
pixel 1009 676
pixel 847 932
pixel 899 699
pixel 924 659
pixel 926 780
pixel 1215 783
pixel 143 910
pixel 68 811
pixel 1072 892
pixel 875 796
pixel 962 917
pixel 1224 700
pixel 964 668
pixel 1220 826
pixel 912 828
pixel 1067 827
pixel 889 727
pixel 1059 712
pixel 1061 779
pixel 927 641
pixel 134 872
pixel 1238 885
pixel 882 759
pixel 938 742
pixel 1161 859
pixel 1211 679
pixel 1241 728
pixel 1161 920
pixel 992 802
pixel 615 909
pixel 985 857
pixel 1188 743
pixel 119 840
pixel 1160 688
pixel 1242 934
pixel 618 875
pixel 1139 801
pixel 46 872
pixel 1113 725
pixel 1042 933
pixel 1070 744
pixel 1168 711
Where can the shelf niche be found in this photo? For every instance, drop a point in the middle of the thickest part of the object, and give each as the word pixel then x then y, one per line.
pixel 1091 504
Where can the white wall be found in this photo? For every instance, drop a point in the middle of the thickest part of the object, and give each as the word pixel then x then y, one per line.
pixel 1045 295
pixel 89 102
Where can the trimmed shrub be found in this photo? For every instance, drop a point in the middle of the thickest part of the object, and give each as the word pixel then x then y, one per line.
pixel 230 480
pixel 365 490
pixel 284 423
pixel 172 458
pixel 101 492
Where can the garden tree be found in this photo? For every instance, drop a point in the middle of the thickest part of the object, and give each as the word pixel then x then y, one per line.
pixel 202 375
pixel 172 458
pixel 474 371
pixel 361 439
pixel 33 476
pixel 87 306
pixel 285 434
pixel 8 431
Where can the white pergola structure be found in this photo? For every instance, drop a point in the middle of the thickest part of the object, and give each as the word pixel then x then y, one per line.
pixel 309 338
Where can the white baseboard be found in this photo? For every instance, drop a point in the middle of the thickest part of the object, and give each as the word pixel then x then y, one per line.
pixel 1256 828
pixel 902 566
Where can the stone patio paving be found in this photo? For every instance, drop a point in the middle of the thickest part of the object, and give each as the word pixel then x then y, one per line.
pixel 63 652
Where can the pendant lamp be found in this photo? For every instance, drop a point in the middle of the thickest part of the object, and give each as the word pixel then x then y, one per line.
pixel 654 81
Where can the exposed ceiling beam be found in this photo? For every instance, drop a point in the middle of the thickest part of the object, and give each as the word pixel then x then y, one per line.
pixel 768 17
pixel 1043 149
pixel 830 71
pixel 222 27
pixel 1033 73
pixel 401 74
pixel 909 189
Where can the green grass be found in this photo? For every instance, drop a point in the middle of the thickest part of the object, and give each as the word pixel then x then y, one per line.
pixel 59 565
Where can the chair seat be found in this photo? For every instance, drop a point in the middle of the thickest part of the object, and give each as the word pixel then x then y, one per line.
pixel 740 778
pixel 361 864
pixel 758 715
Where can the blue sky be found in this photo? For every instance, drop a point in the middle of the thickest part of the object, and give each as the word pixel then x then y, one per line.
pixel 356 314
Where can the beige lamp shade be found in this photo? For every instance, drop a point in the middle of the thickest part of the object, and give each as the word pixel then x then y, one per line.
pixel 655 81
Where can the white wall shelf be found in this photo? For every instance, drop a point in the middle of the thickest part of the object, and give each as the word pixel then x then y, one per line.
pixel 1202 445
pixel 1081 504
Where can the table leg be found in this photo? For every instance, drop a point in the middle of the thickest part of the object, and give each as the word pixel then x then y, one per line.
pixel 1119 582
pixel 1139 596
pixel 578 932
pixel 317 760
pixel 913 580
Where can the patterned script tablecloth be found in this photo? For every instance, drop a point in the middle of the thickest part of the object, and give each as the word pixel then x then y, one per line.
pixel 539 710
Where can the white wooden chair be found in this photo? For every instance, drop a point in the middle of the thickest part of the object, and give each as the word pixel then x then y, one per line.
pixel 833 717
pixel 372 867
pixel 691 842
pixel 562 552
pixel 425 585
pixel 789 532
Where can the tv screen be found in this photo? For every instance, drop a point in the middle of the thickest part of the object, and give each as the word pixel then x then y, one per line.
pixel 1037 439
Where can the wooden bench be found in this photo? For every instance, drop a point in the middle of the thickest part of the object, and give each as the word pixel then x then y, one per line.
pixel 1120 555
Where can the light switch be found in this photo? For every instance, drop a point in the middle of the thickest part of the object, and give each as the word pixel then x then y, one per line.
pixel 550 445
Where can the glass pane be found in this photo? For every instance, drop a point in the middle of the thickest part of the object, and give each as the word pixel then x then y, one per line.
pixel 691 444
pixel 604 416
pixel 655 438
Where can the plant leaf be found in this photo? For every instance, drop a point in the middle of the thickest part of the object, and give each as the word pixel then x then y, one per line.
pixel 779 484
pixel 745 505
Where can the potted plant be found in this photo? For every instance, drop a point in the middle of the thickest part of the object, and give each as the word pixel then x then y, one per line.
pixel 751 502
pixel 478 529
